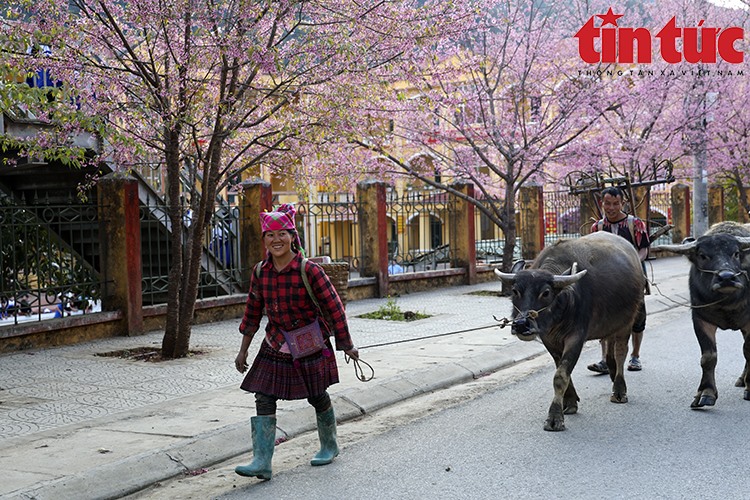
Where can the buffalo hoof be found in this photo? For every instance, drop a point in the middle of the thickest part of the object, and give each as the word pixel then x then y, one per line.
pixel 740 382
pixel 571 409
pixel 703 400
pixel 554 424
pixel 747 395
pixel 618 398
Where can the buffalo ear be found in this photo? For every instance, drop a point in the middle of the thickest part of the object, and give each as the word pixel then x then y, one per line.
pixel 572 270
pixel 518 265
pixel 744 242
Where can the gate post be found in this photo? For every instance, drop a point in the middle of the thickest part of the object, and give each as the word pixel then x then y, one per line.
pixel 121 262
pixel 373 232
pixel 588 211
pixel 531 207
pixel 464 233
pixel 257 197
pixel 642 204
pixel 715 204
pixel 680 212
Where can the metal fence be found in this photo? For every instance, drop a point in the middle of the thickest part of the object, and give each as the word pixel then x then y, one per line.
pixel 490 241
pixel 221 266
pixel 329 227
pixel 562 216
pixel 660 214
pixel 48 260
pixel 420 231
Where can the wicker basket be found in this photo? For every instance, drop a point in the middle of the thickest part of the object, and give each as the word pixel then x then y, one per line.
pixel 338 273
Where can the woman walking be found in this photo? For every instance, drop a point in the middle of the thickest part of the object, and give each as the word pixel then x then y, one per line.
pixel 296 358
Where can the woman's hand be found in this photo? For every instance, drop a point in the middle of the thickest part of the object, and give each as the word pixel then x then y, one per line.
pixel 352 353
pixel 240 362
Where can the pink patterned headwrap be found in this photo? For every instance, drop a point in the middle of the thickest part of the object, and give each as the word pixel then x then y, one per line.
pixel 281 218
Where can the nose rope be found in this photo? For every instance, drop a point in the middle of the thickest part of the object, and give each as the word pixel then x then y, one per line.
pixel 531 314
pixel 708 271
pixel 653 283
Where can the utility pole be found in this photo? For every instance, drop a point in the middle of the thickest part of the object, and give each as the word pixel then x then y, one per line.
pixel 700 178
pixel 696 108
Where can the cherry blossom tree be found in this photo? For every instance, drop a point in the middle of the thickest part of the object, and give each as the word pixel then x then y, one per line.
pixel 493 107
pixel 211 87
pixel 728 145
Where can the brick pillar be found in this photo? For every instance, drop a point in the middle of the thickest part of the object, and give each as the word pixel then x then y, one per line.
pixel 373 232
pixel 464 233
pixel 531 230
pixel 680 212
pixel 120 235
pixel 715 204
pixel 742 214
pixel 257 197
pixel 589 213
pixel 642 204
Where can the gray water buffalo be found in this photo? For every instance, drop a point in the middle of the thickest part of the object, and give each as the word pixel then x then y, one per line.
pixel 720 298
pixel 577 290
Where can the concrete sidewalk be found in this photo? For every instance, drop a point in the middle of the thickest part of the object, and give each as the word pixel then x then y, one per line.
pixel 74 424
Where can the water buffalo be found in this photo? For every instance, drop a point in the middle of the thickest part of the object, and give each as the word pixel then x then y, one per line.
pixel 720 297
pixel 577 290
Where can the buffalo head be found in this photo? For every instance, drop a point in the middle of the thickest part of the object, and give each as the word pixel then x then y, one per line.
pixel 720 256
pixel 534 292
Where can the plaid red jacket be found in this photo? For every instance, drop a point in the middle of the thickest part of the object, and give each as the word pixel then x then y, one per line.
pixel 288 305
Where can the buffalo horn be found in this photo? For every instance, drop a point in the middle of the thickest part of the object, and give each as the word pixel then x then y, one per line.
pixel 506 277
pixel 565 280
pixel 681 249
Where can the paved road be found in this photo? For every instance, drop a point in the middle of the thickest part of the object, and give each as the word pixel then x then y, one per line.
pixel 493 446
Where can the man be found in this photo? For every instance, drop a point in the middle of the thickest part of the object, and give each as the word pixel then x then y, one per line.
pixel 633 229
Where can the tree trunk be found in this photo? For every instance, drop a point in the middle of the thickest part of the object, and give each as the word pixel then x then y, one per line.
pixel 193 251
pixel 509 232
pixel 171 333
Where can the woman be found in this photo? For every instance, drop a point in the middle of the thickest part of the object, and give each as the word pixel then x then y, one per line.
pixel 276 284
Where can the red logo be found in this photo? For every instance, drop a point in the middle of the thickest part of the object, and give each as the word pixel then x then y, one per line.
pixel 702 44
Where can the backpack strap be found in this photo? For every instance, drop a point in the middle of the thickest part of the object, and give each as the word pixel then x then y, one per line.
pixel 257 269
pixel 306 281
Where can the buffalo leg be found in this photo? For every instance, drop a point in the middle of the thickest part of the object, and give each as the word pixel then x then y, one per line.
pixel 571 399
pixel 565 399
pixel 746 352
pixel 617 351
pixel 706 335
pixel 555 419
pixel 741 380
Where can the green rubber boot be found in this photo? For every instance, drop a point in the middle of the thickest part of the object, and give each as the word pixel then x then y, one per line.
pixel 329 449
pixel 264 437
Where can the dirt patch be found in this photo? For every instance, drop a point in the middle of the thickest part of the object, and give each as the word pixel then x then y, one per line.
pixel 488 293
pixel 150 354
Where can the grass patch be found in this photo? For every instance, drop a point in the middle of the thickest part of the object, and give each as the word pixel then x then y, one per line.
pixel 391 311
